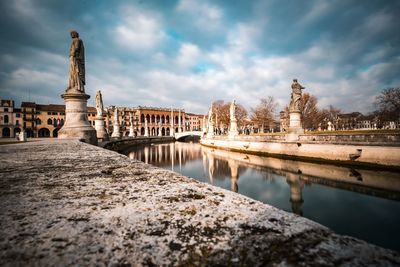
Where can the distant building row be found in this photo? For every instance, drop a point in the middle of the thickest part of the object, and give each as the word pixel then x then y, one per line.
pixel 46 120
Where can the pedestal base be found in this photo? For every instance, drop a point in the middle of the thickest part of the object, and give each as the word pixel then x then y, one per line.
pixel 210 133
pixel 77 125
pixel 101 132
pixel 233 130
pixel 295 128
pixel 131 132
pixel 116 133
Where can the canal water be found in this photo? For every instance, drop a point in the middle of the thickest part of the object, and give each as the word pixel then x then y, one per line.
pixel 355 202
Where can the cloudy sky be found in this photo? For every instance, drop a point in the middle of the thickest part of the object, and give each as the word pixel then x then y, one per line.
pixel 187 53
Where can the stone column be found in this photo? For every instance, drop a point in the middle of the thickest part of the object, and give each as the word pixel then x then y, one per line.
pixel 179 123
pixel 116 127
pixel 77 124
pixel 172 132
pixel 146 129
pixel 159 129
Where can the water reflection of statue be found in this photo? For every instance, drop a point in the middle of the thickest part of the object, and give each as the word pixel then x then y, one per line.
pixel 76 64
pixel 99 104
pixel 296 188
pixel 233 110
pixel 296 96
pixel 234 166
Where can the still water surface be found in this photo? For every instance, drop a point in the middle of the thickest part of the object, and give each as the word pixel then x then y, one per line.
pixel 360 203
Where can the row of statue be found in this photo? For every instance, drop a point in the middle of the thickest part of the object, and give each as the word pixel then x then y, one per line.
pixel 76 86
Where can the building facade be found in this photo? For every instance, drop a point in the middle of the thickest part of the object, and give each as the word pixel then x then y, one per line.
pixel 46 120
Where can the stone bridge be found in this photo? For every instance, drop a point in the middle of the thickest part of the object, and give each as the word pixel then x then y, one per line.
pixel 188 133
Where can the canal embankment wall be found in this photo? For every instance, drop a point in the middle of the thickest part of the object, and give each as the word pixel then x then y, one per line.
pixel 65 202
pixel 122 144
pixel 354 150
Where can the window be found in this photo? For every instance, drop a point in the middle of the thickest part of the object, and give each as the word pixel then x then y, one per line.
pixel 17 122
pixel 18 115
pixel 54 113
pixel 5 118
pixel 49 122
pixel 38 121
pixel 5 109
pixel 48 113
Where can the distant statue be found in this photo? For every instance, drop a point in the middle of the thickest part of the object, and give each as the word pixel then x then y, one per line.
pixel 76 64
pixel 116 115
pixel 233 110
pixel 296 96
pixel 130 119
pixel 99 104
pixel 210 115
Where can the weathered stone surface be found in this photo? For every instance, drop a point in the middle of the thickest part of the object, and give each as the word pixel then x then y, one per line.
pixel 69 203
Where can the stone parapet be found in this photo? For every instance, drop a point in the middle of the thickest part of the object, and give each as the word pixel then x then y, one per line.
pixel 65 202
pixel 346 153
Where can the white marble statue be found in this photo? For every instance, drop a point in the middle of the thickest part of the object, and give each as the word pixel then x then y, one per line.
pixel 99 104
pixel 233 110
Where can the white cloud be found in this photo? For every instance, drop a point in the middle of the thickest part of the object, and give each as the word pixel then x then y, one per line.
pixel 139 30
pixel 207 17
pixel 188 55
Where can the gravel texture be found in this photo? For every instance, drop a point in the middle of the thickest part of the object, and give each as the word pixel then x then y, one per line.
pixel 66 203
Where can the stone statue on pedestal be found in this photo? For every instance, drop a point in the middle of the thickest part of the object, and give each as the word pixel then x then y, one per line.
pixel 99 104
pixel 233 131
pixel 296 96
pixel 233 110
pixel 131 129
pixel 76 124
pixel 116 131
pixel 210 123
pixel 76 64
pixel 101 131
pixel 295 126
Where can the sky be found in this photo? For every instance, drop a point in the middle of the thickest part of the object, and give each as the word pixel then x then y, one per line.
pixel 188 53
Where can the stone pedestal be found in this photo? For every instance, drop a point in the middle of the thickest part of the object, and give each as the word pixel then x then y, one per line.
pixel 76 120
pixel 101 132
pixel 116 133
pixel 295 127
pixel 233 131
pixel 210 133
pixel 131 131
pixel 22 136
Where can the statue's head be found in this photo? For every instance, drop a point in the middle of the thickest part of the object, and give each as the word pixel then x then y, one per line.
pixel 74 34
pixel 295 80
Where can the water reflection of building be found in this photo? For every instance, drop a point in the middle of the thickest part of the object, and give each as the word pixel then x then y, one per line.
pixel 167 154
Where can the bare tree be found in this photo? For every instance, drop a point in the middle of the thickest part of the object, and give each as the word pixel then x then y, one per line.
pixel 310 114
pixel 263 114
pixel 221 111
pixel 388 104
